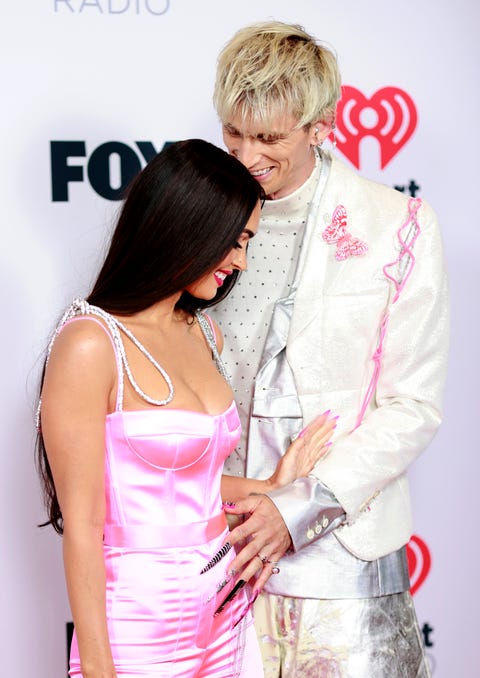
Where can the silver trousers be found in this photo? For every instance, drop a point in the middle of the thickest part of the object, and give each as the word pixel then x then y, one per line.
pixel 354 638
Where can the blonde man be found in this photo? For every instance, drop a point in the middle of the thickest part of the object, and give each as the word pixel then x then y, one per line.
pixel 342 270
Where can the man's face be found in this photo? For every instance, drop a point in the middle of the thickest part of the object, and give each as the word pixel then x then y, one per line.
pixel 278 155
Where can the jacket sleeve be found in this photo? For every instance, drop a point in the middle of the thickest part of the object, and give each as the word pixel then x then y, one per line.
pixel 309 510
pixel 405 410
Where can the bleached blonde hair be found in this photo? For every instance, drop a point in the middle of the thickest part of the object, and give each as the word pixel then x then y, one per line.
pixel 272 68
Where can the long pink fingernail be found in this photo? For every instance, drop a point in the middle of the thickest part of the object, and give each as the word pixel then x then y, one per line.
pixel 249 606
pixel 252 599
pixel 217 557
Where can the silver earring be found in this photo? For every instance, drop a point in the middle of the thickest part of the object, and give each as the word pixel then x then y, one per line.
pixel 334 142
pixel 319 143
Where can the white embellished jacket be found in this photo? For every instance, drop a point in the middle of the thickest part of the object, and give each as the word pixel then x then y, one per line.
pixel 368 332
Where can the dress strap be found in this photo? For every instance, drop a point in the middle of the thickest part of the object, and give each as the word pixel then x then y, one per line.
pixel 207 327
pixel 79 309
pixel 82 309
pixel 212 327
pixel 118 359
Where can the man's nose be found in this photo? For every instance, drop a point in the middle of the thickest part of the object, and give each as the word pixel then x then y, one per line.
pixel 247 151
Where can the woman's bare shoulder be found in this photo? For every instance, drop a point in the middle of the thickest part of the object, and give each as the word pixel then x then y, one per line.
pixel 85 340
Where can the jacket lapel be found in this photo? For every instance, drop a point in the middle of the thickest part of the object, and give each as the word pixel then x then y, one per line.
pixel 315 267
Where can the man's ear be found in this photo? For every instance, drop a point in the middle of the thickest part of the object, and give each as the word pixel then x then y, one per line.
pixel 319 131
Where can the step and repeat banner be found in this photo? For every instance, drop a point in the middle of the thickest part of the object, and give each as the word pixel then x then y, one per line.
pixel 90 91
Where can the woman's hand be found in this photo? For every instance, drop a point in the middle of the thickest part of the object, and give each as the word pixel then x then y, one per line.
pixel 260 541
pixel 299 459
pixel 302 455
pixel 258 530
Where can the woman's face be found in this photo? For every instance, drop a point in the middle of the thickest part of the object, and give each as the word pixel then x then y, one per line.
pixel 279 155
pixel 206 287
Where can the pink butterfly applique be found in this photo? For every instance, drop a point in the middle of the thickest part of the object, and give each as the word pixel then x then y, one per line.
pixel 336 232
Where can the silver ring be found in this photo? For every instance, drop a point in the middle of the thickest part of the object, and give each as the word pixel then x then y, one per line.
pixel 264 559
pixel 275 570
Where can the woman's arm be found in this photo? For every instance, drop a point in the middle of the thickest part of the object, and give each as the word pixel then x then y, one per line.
pixel 298 461
pixel 77 393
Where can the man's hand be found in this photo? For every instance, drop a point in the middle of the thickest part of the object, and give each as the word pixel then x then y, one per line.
pixel 262 537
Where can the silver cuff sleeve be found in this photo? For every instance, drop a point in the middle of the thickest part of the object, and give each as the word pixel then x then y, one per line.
pixel 309 510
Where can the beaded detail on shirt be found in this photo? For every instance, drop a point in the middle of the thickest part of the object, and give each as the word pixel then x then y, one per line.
pixel 272 261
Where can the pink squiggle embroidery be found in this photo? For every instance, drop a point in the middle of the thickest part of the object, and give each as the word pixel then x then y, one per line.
pixel 406 251
pixel 336 233
pixel 377 361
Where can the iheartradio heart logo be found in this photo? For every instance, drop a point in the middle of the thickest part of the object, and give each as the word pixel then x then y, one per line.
pixel 390 116
pixel 419 562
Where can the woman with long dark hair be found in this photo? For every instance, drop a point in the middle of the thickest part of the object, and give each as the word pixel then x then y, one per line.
pixel 136 419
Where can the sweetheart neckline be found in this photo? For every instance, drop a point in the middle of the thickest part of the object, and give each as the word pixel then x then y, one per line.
pixel 174 409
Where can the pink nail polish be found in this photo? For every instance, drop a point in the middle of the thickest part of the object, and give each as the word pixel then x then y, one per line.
pixel 253 599
pixel 249 606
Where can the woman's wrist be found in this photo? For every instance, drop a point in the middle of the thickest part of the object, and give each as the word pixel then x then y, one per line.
pixel 271 484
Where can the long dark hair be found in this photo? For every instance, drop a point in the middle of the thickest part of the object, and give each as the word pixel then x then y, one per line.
pixel 181 216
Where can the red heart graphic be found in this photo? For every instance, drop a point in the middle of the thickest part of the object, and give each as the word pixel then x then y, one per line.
pixel 419 562
pixel 389 115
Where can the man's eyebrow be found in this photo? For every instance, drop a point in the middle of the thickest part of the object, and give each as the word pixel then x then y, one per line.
pixel 261 136
pixel 269 136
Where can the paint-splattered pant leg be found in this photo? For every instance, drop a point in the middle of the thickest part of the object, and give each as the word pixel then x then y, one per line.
pixel 359 638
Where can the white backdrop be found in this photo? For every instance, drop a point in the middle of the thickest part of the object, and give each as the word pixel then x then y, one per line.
pixel 127 71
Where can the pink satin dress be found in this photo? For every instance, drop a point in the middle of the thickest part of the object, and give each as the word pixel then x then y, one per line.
pixel 164 523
